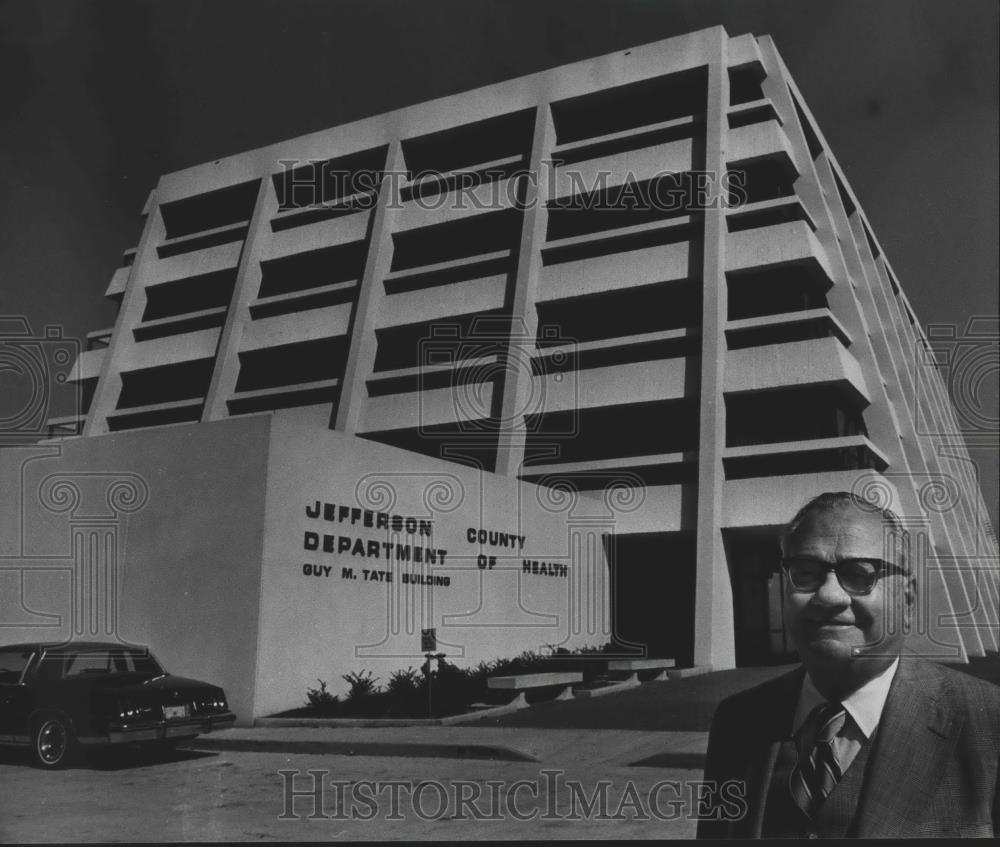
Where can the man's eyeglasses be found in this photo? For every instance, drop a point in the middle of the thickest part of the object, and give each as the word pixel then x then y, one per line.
pixel 856 576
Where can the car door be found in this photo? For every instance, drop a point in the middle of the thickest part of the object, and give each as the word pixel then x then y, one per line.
pixel 15 696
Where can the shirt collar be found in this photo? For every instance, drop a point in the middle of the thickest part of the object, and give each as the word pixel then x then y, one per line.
pixel 864 705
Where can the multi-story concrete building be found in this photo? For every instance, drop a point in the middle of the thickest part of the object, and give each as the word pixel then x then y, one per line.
pixel 643 277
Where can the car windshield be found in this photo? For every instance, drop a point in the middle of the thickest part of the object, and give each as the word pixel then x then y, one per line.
pixel 12 663
pixel 100 662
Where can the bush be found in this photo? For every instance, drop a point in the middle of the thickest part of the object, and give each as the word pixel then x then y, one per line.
pixel 321 700
pixel 454 688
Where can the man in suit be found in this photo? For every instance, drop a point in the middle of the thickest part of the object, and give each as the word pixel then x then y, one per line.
pixel 863 740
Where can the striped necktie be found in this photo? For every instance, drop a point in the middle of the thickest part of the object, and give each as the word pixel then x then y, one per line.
pixel 817 773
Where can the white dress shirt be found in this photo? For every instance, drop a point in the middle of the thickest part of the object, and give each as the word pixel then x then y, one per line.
pixel 864 710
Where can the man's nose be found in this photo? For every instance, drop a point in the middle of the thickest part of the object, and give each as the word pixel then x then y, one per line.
pixel 831 592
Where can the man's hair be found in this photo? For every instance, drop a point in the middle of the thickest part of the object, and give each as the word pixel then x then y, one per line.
pixel 898 536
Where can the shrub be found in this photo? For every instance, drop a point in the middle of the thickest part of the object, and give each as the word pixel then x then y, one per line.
pixel 322 700
pixel 362 684
pixel 405 682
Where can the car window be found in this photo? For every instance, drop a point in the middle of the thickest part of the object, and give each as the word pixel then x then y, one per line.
pixel 88 663
pixel 12 664
pixel 96 662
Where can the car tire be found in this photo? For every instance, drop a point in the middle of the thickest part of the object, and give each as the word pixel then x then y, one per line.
pixel 52 742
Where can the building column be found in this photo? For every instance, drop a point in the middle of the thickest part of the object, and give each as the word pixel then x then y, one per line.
pixel 518 381
pixel 109 384
pixel 227 363
pixel 714 638
pixel 349 409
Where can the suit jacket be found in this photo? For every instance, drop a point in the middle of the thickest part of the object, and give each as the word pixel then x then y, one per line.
pixel 932 771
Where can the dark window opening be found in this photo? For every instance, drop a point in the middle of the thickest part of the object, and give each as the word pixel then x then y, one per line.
pixel 87 389
pixel 745 83
pixel 666 426
pixel 638 140
pixel 621 241
pixel 755 115
pixel 783 213
pixel 766 179
pixel 625 312
pixel 161 417
pixel 783 333
pixel 313 269
pixel 775 291
pixel 629 204
pixel 471 144
pixel 790 414
pixel 292 398
pixel 215 209
pixel 292 364
pixel 165 383
pixel 652 578
pixel 803 462
pixel 318 183
pixel 442 341
pixel 458 239
pixel 628 351
pixel 193 294
pixel 812 140
pixel 631 106
pixel 871 241
pixel 845 198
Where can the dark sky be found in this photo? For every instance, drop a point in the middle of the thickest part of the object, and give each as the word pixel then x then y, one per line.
pixel 97 99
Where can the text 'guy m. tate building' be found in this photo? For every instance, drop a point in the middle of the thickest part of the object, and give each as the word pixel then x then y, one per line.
pixel 546 363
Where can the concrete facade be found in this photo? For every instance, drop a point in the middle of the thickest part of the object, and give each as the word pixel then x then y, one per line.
pixel 643 277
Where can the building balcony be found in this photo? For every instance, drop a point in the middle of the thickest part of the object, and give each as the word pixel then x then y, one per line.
pixel 170 349
pixel 646 266
pixel 773 501
pixel 603 171
pixel 426 304
pixel 449 406
pixel 617 240
pixel 278 330
pixel 821 361
pixel 65 426
pixel 788 244
pixel 99 339
pixel 282 397
pixel 458 204
pixel 785 328
pixel 754 142
pixel 119 281
pixel 156 414
pixel 814 455
pixel 88 365
pixel 208 260
pixel 226 234
pixel 314 236
pixel 635 382
pixel 627 471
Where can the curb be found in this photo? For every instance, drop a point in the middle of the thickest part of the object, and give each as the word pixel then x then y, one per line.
pixel 382 723
pixel 365 748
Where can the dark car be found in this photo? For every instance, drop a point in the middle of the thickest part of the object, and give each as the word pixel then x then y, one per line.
pixel 55 697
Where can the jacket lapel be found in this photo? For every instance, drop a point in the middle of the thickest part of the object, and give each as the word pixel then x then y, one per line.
pixel 775 727
pixel 915 734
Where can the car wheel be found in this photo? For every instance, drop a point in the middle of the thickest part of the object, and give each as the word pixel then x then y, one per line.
pixel 52 742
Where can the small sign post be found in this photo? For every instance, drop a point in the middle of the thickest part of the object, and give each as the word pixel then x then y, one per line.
pixel 428 646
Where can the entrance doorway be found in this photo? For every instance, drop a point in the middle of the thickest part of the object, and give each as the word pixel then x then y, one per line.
pixel 652 593
pixel 758 591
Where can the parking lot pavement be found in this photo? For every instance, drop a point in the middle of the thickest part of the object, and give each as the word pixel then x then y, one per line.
pixel 229 794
